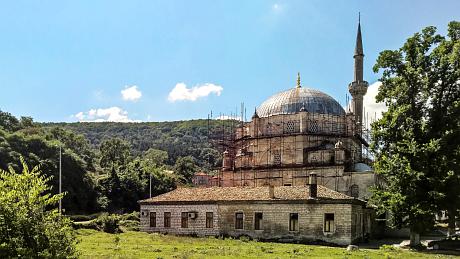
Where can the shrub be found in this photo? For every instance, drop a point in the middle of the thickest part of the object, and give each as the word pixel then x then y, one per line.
pixel 109 223
pixel 132 225
pixel 25 196
pixel 131 216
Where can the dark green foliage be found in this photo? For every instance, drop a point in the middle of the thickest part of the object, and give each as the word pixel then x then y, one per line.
pixel 38 146
pixel 114 152
pixel 113 170
pixel 30 225
pixel 109 223
pixel 177 138
pixel 417 141
pixel 185 168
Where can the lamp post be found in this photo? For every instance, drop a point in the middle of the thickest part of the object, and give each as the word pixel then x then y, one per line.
pixel 60 179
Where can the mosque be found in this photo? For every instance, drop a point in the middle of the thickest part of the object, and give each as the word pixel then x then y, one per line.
pixel 303 130
pixel 295 173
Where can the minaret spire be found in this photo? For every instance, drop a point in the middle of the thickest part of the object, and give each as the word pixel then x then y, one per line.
pixel 359 54
pixel 298 80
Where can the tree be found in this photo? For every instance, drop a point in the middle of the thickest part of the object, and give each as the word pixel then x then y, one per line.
pixel 8 122
pixel 30 225
pixel 114 152
pixel 156 156
pixel 416 142
pixel 185 168
pixel 36 149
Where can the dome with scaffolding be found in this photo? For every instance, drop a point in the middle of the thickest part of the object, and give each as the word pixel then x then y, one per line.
pixel 300 99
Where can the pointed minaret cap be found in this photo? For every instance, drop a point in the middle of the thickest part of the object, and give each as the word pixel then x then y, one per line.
pixel 298 80
pixel 359 42
pixel 255 116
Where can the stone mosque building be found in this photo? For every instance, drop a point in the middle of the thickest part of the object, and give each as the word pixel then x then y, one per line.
pixel 294 173
pixel 303 130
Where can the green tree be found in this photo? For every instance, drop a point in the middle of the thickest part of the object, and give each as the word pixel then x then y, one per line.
pixel 114 152
pixel 156 156
pixel 30 225
pixel 416 142
pixel 185 168
pixel 8 122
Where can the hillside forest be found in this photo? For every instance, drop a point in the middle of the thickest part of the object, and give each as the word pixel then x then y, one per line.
pixel 108 166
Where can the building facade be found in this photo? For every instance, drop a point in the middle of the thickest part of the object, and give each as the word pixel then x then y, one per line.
pixel 285 213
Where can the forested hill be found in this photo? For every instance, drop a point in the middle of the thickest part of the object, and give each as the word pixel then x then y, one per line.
pixel 108 166
pixel 178 138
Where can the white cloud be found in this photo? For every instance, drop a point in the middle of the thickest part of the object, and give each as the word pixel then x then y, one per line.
pixel 114 114
pixel 372 107
pixel 181 93
pixel 131 93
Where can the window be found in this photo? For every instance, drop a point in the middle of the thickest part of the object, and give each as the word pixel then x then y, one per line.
pixel 184 220
pixel 209 220
pixel 293 222
pixel 153 219
pixel 239 220
pixel 313 126
pixel 329 222
pixel 258 216
pixel 290 127
pixel 276 157
pixel 167 220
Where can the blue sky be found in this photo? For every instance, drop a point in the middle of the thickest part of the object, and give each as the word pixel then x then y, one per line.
pixel 71 60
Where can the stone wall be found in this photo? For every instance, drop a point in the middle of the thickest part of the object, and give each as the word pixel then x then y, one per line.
pixel 275 223
pixel 196 226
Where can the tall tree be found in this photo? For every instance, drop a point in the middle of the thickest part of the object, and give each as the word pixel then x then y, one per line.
pixel 185 168
pixel 114 152
pixel 418 156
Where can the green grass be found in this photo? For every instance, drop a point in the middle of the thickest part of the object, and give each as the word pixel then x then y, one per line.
pixel 94 244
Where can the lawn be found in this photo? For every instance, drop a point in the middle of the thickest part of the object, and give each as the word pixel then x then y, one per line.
pixel 95 244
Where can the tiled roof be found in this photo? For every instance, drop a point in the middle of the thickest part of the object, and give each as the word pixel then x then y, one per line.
pixel 245 194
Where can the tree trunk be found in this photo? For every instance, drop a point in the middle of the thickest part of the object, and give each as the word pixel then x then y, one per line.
pixel 451 222
pixel 414 239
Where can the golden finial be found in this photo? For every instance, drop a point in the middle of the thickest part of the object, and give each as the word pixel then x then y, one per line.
pixel 298 80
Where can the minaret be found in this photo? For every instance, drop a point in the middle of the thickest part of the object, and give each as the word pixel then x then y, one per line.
pixel 358 87
pixel 298 80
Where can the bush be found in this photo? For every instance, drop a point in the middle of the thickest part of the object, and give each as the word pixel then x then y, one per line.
pixel 131 225
pixel 135 215
pixel 109 223
pixel 25 196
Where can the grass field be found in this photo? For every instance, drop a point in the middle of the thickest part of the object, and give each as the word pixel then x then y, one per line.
pixel 94 244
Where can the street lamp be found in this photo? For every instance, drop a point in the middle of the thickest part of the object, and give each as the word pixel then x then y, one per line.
pixel 60 179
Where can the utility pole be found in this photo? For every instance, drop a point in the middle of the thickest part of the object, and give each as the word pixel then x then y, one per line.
pixel 150 196
pixel 60 179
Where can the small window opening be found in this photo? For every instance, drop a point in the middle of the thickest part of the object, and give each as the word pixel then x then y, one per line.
pixel 293 222
pixel 329 222
pixel 258 216
pixel 239 220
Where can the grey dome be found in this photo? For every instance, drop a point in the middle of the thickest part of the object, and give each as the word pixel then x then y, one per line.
pixel 361 167
pixel 296 99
